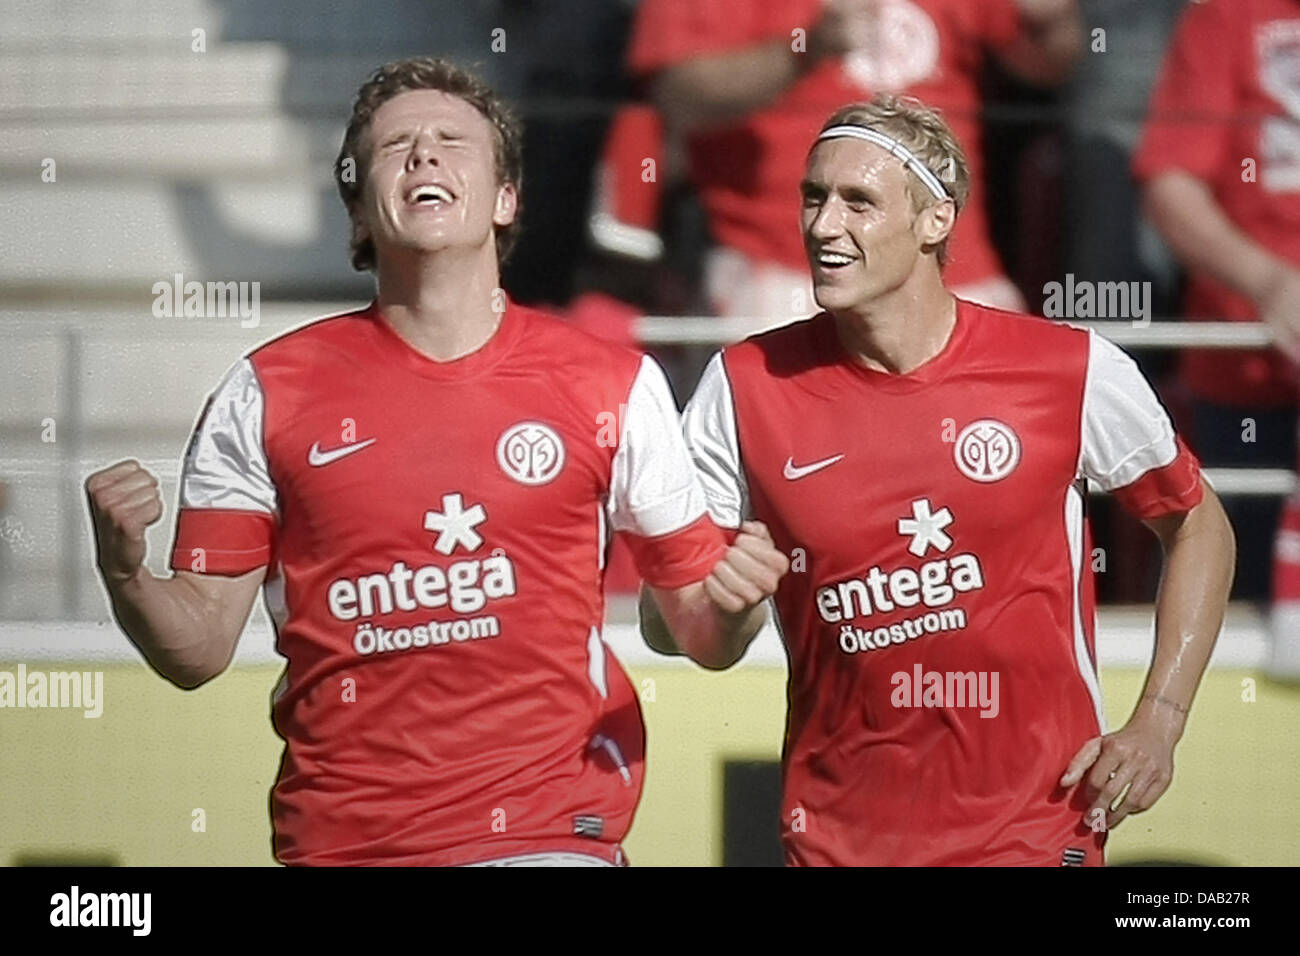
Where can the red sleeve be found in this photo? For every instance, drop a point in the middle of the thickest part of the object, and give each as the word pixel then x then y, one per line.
pixel 222 541
pixel 1173 489
pixel 1187 123
pixel 622 192
pixel 667 32
pixel 679 558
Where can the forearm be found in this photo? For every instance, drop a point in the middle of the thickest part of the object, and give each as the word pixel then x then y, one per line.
pixel 172 624
pixel 1193 594
pixel 654 630
pixel 1204 239
pixel 727 86
pixel 700 630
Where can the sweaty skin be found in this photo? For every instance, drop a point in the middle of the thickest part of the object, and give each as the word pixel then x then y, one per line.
pixel 1200 553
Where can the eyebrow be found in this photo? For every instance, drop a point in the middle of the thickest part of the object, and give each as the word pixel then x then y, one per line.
pixel 850 192
pixel 407 133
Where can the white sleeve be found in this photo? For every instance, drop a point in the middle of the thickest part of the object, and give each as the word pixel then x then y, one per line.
pixel 653 488
pixel 225 464
pixel 1126 432
pixel 709 423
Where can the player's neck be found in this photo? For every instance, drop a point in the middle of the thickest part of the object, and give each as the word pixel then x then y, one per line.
pixel 446 305
pixel 902 330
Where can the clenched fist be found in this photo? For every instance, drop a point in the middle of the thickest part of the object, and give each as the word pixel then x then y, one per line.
pixel 124 500
pixel 749 572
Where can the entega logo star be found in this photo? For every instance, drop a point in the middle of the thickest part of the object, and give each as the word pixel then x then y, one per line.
pixel 926 528
pixel 455 525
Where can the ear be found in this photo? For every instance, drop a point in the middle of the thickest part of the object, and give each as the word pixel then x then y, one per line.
pixel 360 232
pixel 507 205
pixel 934 223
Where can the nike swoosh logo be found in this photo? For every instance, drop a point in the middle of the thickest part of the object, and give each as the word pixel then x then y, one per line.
pixel 316 457
pixel 795 473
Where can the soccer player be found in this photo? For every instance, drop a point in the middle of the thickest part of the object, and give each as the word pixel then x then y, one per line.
pixel 743 84
pixel 921 459
pixel 424 490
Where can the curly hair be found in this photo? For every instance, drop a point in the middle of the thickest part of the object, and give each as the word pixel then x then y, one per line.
pixel 427 73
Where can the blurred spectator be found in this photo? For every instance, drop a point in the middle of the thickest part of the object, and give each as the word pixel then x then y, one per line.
pixel 745 84
pixel 1220 167
pixel 1107 240
pixel 626 199
pixel 648 236
pixel 568 61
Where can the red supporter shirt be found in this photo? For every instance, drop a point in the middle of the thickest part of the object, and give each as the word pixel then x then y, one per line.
pixel 435 533
pixel 625 215
pixel 1229 91
pixel 748 173
pixel 938 616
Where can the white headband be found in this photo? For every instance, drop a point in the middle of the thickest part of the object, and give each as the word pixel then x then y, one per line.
pixel 908 157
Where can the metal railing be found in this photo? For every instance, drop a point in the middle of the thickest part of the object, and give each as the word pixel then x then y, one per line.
pixel 1157 334
pixel 66 468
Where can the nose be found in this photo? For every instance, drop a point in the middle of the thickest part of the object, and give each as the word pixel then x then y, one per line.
pixel 423 150
pixel 827 220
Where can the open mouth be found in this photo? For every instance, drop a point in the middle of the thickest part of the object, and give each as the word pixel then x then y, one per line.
pixel 431 196
pixel 831 261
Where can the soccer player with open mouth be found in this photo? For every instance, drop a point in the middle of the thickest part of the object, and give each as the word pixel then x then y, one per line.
pixel 923 461
pixel 425 492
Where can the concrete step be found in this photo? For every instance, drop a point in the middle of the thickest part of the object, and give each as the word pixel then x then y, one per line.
pixel 239 78
pixel 288 233
pixel 339 25
pixel 251 149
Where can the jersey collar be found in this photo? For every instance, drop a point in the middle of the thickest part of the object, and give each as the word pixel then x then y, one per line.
pixel 928 373
pixel 481 360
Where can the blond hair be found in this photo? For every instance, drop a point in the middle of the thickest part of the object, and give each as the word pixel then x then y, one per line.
pixel 923 131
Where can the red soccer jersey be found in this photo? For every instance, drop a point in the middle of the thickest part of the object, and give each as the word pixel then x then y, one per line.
pixel 436 533
pixel 938 612
pixel 1229 99
pixel 748 172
